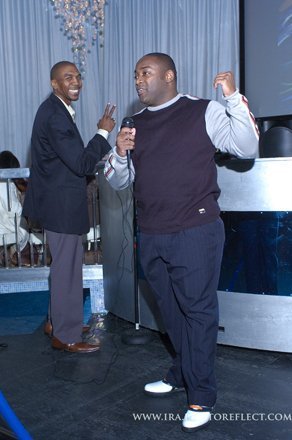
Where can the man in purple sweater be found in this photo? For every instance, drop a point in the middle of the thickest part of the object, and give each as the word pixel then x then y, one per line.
pixel 181 233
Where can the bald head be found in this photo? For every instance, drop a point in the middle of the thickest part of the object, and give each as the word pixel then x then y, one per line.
pixel 58 67
pixel 164 60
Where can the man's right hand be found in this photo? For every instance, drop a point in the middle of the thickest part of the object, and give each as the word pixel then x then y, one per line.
pixel 125 140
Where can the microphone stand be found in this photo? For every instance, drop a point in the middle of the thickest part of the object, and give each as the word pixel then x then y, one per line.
pixel 138 335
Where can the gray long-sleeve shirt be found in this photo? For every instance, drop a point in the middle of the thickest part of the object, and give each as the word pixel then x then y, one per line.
pixel 231 129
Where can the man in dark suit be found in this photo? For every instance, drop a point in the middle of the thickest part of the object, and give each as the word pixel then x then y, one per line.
pixel 56 198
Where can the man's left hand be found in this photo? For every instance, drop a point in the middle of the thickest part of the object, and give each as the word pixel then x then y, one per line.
pixel 227 82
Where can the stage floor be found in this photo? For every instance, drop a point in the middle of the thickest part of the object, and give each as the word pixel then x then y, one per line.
pixel 63 396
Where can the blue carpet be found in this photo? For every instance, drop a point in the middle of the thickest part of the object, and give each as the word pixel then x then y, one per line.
pixel 22 313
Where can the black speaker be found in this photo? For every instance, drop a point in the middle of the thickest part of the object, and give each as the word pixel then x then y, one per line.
pixel 275 137
pixel 279 121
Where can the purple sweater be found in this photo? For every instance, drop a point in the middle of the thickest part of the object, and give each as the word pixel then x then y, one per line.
pixel 176 179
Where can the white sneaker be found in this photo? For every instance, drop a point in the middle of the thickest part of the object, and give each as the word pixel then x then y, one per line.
pixel 160 388
pixel 195 419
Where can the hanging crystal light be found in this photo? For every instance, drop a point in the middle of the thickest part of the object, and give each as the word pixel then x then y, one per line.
pixel 83 22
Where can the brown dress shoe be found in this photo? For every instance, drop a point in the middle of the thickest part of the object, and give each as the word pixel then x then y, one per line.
pixel 78 347
pixel 48 329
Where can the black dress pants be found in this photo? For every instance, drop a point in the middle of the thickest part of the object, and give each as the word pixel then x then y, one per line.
pixel 183 270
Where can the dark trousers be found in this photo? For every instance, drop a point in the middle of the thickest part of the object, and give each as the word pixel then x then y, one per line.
pixel 66 304
pixel 183 270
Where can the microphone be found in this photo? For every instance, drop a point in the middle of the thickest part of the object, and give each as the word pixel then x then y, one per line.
pixel 129 123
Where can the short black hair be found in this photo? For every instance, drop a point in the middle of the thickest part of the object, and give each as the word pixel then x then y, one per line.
pixel 8 160
pixel 166 60
pixel 57 66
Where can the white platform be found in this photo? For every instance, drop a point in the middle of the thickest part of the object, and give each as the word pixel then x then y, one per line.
pixel 36 279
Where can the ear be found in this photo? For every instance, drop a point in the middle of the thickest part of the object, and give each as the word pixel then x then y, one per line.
pixel 169 76
pixel 54 84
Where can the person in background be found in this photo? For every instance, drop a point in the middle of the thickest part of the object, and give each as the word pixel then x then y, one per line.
pixel 56 199
pixel 10 214
pixel 172 147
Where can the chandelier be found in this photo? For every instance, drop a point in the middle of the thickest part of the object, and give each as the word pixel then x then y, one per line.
pixel 83 22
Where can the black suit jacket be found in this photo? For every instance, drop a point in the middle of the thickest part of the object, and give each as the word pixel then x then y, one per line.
pixel 56 193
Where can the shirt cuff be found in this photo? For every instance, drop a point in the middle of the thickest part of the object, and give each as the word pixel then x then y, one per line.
pixel 236 94
pixel 103 133
pixel 121 159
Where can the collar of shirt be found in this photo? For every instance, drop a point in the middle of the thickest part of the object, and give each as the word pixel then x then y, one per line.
pixel 165 104
pixel 69 108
